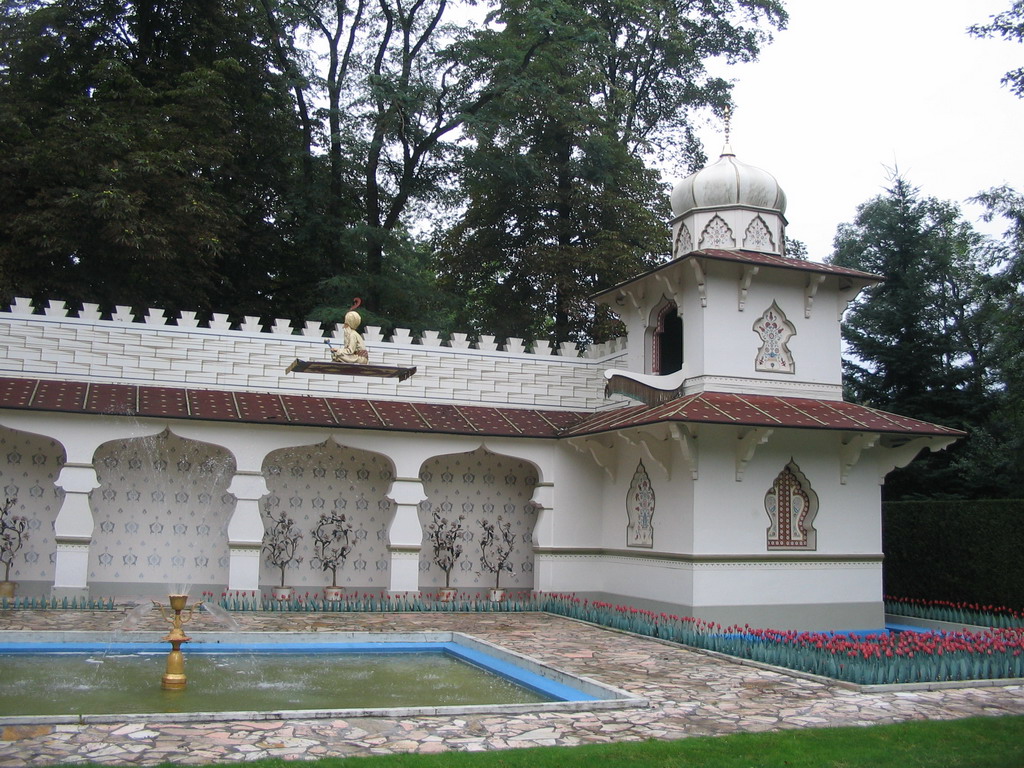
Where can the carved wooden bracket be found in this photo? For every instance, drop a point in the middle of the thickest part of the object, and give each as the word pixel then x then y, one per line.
pixel 702 281
pixel 748 274
pixel 603 453
pixel 656 449
pixel 686 436
pixel 850 449
pixel 813 283
pixel 746 444
pixel 900 455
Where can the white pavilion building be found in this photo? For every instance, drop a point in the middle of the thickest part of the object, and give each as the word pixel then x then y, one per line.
pixel 704 464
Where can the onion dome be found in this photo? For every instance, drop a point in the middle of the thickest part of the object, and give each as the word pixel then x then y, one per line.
pixel 728 183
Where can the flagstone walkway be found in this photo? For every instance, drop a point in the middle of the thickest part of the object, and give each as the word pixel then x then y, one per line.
pixel 690 693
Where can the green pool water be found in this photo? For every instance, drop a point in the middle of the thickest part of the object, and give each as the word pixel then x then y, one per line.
pixel 129 683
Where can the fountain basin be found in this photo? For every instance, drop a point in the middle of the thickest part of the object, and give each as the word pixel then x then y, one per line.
pixel 447 655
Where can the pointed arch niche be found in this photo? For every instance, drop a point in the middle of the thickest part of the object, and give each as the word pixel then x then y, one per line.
pixel 667 340
pixel 311 480
pixel 161 512
pixel 791 505
pixel 29 467
pixel 640 510
pixel 479 485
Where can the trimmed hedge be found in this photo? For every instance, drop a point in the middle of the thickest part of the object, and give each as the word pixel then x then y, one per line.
pixel 968 551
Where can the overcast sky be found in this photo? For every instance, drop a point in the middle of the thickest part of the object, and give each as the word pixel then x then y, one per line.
pixel 854 87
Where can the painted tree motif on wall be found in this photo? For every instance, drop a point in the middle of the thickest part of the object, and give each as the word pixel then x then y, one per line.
pixel 640 510
pixel 775 330
pixel 791 505
pixel 480 485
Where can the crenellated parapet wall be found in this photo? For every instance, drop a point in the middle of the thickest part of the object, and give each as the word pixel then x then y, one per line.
pixel 151 349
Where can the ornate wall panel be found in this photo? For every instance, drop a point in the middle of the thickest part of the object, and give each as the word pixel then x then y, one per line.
pixel 308 481
pixel 161 512
pixel 775 330
pixel 480 485
pixel 640 510
pixel 717 234
pixel 791 505
pixel 29 465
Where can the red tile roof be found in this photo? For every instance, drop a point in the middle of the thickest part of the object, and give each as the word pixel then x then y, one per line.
pixel 759 411
pixel 307 410
pixel 299 410
pixel 770 260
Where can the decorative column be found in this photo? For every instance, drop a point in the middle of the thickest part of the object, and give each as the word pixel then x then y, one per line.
pixel 245 531
pixel 73 531
pixel 543 535
pixel 405 536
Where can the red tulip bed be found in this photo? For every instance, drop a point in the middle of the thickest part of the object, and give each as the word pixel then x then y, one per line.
pixel 958 613
pixel 866 659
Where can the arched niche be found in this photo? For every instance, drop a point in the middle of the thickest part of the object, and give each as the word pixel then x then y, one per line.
pixel 479 485
pixel 29 467
pixel 308 481
pixel 160 514
pixel 791 505
pixel 666 339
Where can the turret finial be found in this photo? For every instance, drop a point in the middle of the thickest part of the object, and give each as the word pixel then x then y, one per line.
pixel 727 116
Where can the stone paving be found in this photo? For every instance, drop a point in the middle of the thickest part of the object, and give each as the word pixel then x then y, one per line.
pixel 691 694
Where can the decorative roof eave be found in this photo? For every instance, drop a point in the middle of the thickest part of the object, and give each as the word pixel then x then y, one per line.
pixel 245 407
pixel 757 411
pixel 762 411
pixel 846 276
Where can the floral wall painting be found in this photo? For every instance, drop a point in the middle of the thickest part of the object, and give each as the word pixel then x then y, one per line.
pixel 477 486
pixel 775 330
pixel 791 505
pixel 331 480
pixel 640 510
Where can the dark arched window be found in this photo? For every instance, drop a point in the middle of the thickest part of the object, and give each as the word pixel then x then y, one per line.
pixel 668 342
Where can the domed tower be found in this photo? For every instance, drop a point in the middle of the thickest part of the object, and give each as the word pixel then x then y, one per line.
pixel 730 312
pixel 728 205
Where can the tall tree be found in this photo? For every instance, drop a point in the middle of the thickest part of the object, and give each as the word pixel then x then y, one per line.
pixel 146 157
pixel 1007 363
pixel 559 201
pixel 399 79
pixel 920 343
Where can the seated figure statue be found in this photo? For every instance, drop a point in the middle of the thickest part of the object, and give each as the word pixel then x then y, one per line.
pixel 353 350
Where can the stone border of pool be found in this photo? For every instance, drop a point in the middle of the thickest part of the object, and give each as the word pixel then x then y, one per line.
pixel 605 697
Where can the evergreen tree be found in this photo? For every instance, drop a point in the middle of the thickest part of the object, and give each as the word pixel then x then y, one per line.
pixel 921 342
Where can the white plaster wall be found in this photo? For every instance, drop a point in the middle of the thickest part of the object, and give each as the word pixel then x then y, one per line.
pixel 730 345
pixel 673 499
pixel 731 518
pixel 786 583
pixel 55 346
pixel 29 465
pixel 580 491
pixel 160 513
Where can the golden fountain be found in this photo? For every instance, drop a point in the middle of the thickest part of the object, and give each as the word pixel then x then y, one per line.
pixel 174 675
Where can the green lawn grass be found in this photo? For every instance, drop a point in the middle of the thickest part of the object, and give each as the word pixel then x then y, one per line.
pixel 981 742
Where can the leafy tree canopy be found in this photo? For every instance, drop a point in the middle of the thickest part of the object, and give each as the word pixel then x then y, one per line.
pixel 1008 25
pixel 145 157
